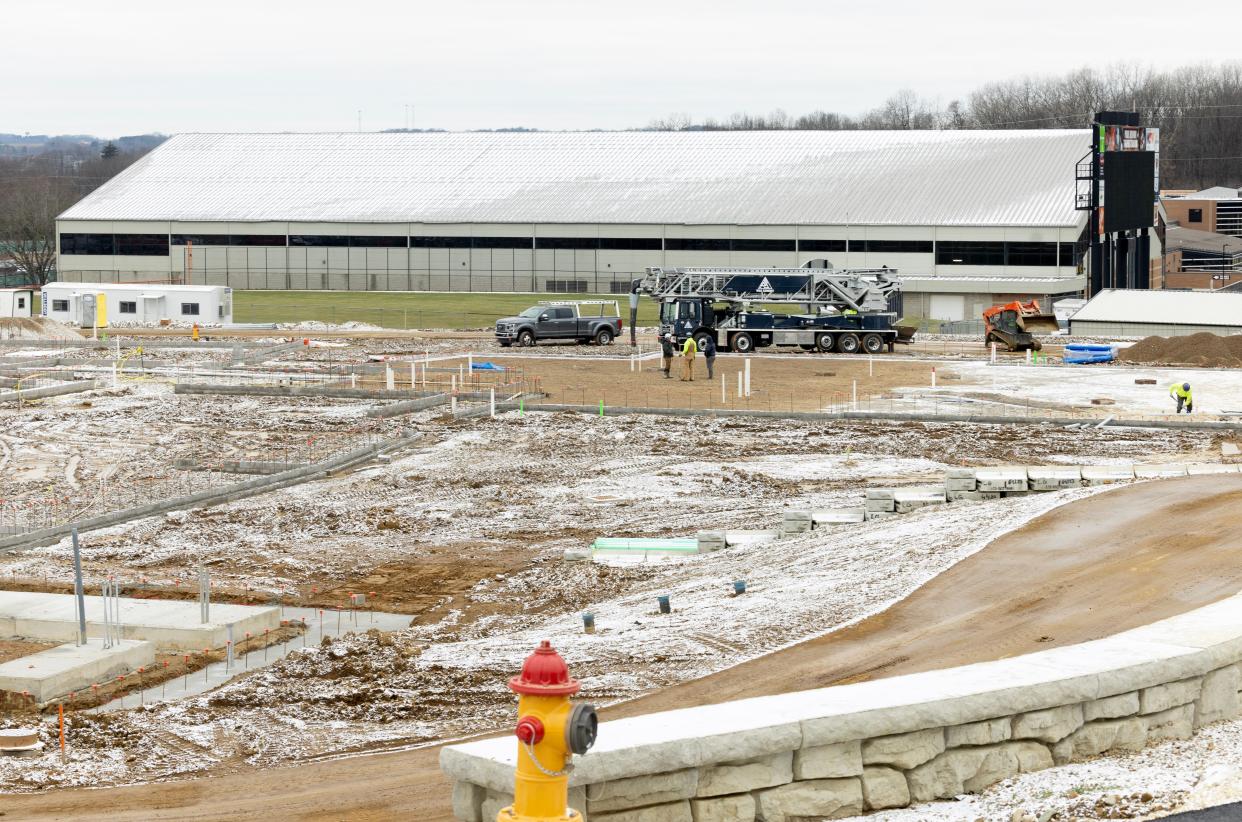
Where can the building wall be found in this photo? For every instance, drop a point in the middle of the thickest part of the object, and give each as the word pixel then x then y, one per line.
pixel 1178 211
pixel 1124 329
pixel 601 262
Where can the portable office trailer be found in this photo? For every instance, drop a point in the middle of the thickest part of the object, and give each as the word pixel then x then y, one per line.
pixel 102 304
pixel 16 302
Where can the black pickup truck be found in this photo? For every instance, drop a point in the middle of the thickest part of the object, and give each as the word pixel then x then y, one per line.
pixel 562 321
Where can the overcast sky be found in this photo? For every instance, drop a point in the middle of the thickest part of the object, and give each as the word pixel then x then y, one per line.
pixel 134 66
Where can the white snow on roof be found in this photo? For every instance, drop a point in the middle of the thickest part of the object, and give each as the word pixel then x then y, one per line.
pixel 205 289
pixel 1164 307
pixel 983 178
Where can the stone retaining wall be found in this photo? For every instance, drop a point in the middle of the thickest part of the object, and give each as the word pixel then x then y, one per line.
pixel 845 750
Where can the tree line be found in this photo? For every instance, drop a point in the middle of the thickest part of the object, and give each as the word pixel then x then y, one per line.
pixel 1198 110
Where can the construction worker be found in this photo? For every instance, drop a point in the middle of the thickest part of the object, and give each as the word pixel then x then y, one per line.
pixel 709 355
pixel 668 348
pixel 1181 393
pixel 688 350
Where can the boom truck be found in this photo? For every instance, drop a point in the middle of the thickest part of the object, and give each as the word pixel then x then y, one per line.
pixel 846 310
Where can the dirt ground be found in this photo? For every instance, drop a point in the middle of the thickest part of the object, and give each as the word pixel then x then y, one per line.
pixel 16 648
pixel 1104 564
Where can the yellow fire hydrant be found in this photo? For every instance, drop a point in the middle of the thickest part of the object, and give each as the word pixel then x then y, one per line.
pixel 550 729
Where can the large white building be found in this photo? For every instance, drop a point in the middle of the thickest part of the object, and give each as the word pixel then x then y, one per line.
pixel 967 217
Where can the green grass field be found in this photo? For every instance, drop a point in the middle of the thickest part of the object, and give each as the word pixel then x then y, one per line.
pixel 401 309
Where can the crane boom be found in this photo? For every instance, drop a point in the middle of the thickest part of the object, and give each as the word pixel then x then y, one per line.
pixel 865 289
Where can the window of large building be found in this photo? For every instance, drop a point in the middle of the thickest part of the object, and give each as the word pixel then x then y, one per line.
pixel 576 243
pixel 384 241
pixel 319 240
pixel 200 239
pixel 127 307
pixel 952 252
pixel 892 246
pixel 695 244
pixel 764 245
pixel 86 244
pixel 821 245
pixel 501 242
pixel 257 239
pixel 631 243
pixel 1031 253
pixel 141 245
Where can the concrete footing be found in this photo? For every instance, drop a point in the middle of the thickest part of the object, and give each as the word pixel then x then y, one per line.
pixel 171 625
pixel 68 668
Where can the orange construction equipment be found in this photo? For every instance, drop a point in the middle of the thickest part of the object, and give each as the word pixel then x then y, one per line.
pixel 1014 324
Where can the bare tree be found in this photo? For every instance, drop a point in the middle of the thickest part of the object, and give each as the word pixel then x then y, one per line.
pixel 28 210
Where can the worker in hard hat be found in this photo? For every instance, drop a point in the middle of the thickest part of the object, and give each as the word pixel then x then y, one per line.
pixel 688 350
pixel 709 355
pixel 1181 393
pixel 668 348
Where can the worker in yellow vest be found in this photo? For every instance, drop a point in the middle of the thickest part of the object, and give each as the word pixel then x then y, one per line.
pixel 688 350
pixel 1181 393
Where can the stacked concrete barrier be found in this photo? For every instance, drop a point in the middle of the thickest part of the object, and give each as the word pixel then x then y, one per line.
pixel 841 751
pixel 879 503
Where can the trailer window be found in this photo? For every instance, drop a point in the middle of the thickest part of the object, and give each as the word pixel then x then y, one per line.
pixel 60 305
pixel 189 309
pixel 124 307
pixel 21 302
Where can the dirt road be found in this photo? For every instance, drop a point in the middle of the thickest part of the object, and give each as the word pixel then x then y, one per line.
pixel 1105 564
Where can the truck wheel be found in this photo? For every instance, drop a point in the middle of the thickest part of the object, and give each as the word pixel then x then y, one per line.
pixel 873 343
pixel 526 338
pixel 823 342
pixel 742 343
pixel 848 344
pixel 603 336
pixel 700 340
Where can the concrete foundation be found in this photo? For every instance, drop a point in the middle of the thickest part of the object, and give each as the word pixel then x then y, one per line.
pixel 68 668
pixel 169 625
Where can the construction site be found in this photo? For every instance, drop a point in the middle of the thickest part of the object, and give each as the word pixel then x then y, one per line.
pixel 310 561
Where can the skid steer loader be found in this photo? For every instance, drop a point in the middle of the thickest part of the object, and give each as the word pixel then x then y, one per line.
pixel 1015 324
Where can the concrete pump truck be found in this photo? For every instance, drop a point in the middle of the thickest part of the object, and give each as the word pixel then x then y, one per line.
pixel 848 311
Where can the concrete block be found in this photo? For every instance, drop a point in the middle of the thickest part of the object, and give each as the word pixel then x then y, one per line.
pixel 1199 468
pixel 909 499
pixel 1105 474
pixel 750 537
pixel 829 761
pixel 816 798
pixel 790 527
pixel 1094 738
pixel 67 668
pixel 1111 707
pixel 1054 478
pixel 914 505
pixel 1008 494
pixel 1051 725
pixel 838 516
pixel 884 788
pixel 764 772
pixel 904 751
pixel 960 484
pixel 576 555
pixel 1218 699
pixel 468 801
pixel 1158 471
pixel 880 515
pixel 670 812
pixel 988 732
pixel 739 808
pixel 492 804
pixel 658 788
pixel 878 493
pixel 959 474
pixel 1175 723
pixel 710 541
pixel 972 496
pixel 881 506
pixel 968 770
pixel 1001 479
pixel 796 516
pixel 1162 697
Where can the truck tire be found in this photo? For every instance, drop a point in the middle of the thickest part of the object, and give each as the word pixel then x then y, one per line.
pixel 848 344
pixel 700 340
pixel 526 338
pixel 823 342
pixel 742 343
pixel 603 336
pixel 873 343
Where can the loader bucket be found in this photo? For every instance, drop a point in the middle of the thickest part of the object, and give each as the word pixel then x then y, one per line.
pixel 1041 323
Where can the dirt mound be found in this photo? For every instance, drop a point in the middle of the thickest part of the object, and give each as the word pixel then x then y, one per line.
pixel 1204 349
pixel 35 328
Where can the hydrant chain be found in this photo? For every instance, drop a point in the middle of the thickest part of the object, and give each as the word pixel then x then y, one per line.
pixel 530 751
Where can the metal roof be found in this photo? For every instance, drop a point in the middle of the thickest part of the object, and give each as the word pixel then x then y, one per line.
pixel 1163 307
pixel 1213 193
pixel 941 178
pixel 1176 237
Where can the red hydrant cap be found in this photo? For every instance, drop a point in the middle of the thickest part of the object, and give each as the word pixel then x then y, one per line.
pixel 544 673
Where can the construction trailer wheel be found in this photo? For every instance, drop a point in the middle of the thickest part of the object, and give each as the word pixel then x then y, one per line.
pixel 742 343
pixel 848 344
pixel 823 342
pixel 526 338
pixel 603 336
pixel 873 343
